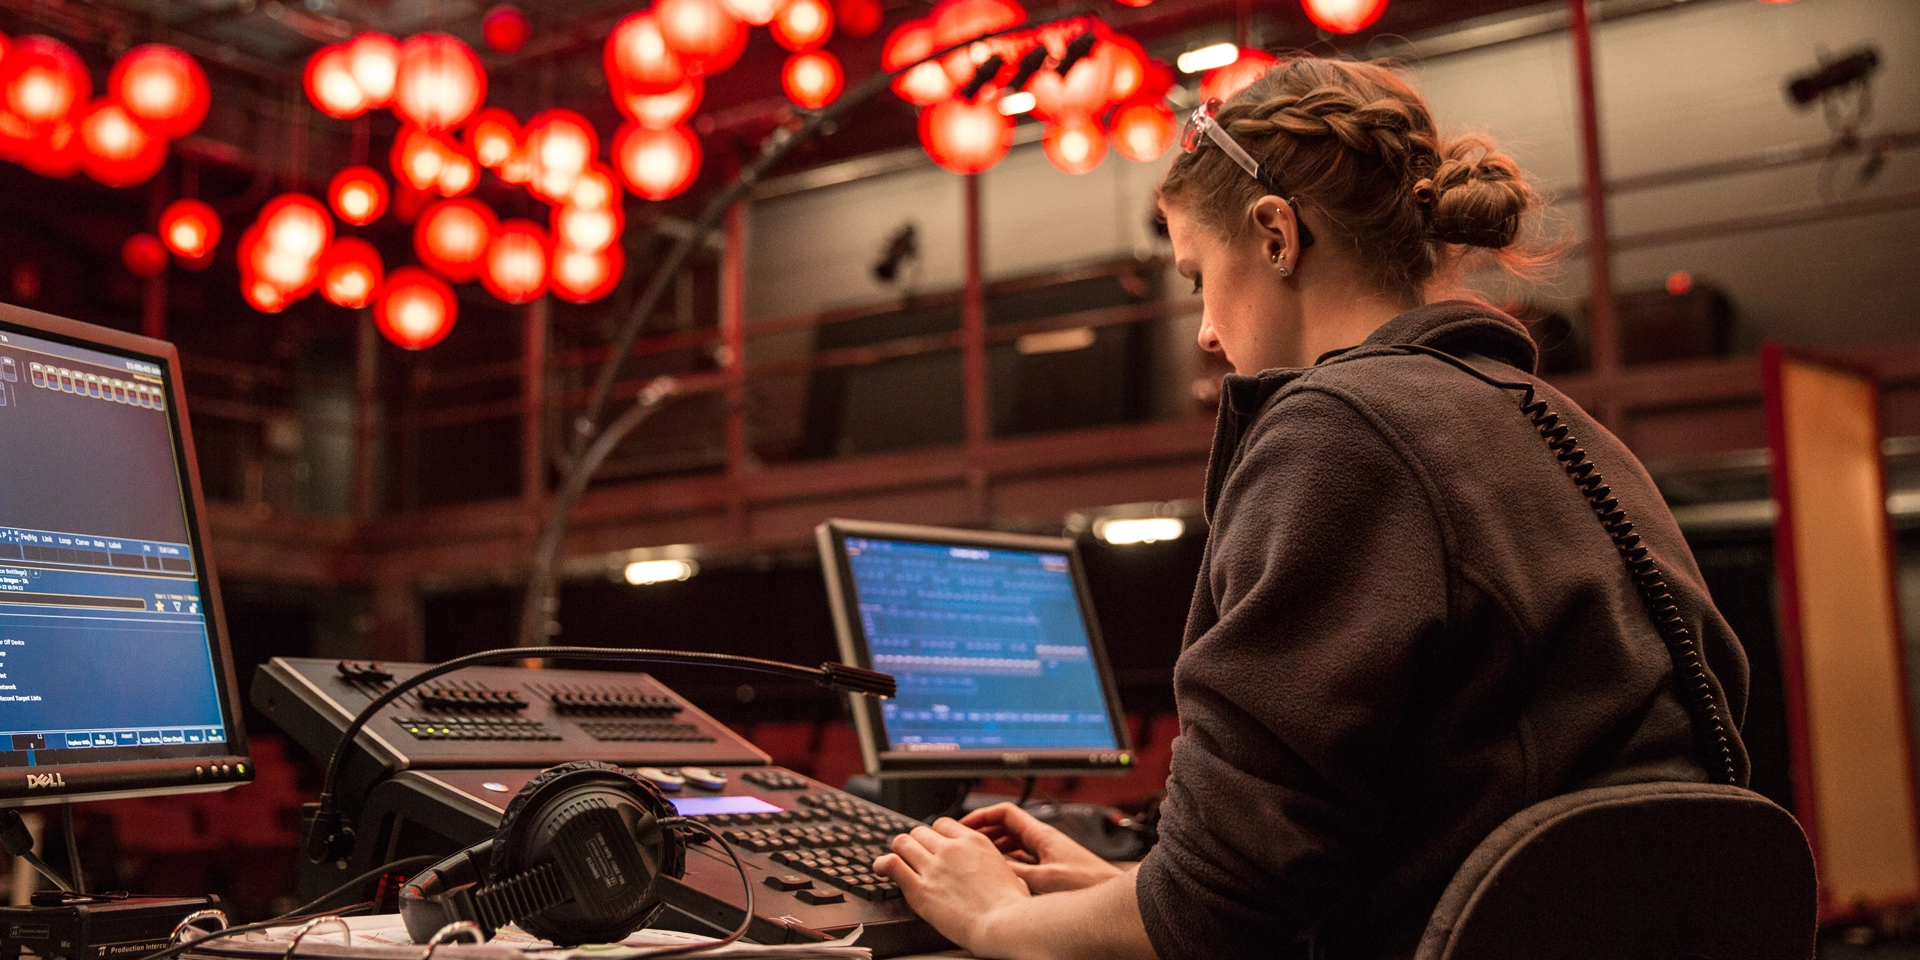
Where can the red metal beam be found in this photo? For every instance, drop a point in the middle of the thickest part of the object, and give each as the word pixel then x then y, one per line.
pixel 1602 334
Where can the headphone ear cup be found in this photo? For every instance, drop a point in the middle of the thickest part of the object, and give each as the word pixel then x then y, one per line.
pixel 589 811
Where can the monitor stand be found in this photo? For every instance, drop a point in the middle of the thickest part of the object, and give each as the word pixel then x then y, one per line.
pixel 919 798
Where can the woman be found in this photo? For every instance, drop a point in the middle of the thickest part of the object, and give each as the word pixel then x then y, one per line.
pixel 1410 623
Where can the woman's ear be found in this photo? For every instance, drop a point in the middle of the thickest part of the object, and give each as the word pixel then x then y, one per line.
pixel 1278 230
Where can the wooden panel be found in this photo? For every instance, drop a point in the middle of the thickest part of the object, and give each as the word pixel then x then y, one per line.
pixel 1846 690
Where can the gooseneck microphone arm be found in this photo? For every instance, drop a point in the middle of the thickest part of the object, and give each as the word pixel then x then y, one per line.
pixel 329 839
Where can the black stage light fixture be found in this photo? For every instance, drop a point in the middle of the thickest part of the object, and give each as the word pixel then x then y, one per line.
pixel 1076 51
pixel 982 75
pixel 1029 65
pixel 1852 69
pixel 903 246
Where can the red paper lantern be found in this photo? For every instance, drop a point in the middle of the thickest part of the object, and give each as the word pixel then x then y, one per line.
pixel 707 37
pixel 1159 79
pixel 452 236
pixel 162 88
pixel 802 24
pixel 296 224
pixel 1075 145
pixel 595 189
pixel 119 152
pixel 658 111
pixel 418 157
pixel 1223 82
pixel 1082 92
pixel 190 228
pixel 858 18
pixel 416 309
pixel 44 80
pixel 144 255
pixel 638 59
pixel 926 84
pixel 587 229
pixel 1143 131
pixel 331 86
pixel 458 174
pixel 560 145
pixel 656 164
pixel 262 295
pixel 440 81
pixel 1126 65
pixel 358 195
pixel 579 277
pixel 1344 16
pixel 756 13
pixel 374 61
pixel 965 137
pixel 505 28
pixel 957 21
pixel 350 273
pixel 516 266
pixel 288 270
pixel 812 79
pixel 57 152
pixel 492 137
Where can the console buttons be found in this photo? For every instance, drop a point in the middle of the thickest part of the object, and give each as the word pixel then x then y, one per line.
pixel 667 782
pixel 820 897
pixel 703 778
pixel 788 882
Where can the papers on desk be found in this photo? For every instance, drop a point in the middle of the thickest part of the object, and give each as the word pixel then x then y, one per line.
pixel 384 937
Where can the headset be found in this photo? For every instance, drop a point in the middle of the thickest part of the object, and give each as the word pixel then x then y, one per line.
pixel 576 859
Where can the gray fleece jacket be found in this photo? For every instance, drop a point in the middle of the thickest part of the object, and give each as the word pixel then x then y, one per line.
pixel 1409 626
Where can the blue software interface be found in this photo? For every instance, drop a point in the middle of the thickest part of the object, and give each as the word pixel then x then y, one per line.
pixel 104 649
pixel 990 647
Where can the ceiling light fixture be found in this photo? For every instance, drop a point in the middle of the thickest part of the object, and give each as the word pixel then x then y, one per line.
pixel 1207 58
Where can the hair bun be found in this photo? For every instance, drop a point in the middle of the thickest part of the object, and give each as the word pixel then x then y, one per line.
pixel 1479 197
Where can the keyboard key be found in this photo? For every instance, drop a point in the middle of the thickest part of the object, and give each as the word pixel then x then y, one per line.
pixel 821 897
pixel 788 882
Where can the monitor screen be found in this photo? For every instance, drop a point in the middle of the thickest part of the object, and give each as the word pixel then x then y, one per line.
pixel 992 643
pixel 109 653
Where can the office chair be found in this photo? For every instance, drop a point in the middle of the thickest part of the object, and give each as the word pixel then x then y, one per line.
pixel 1650 871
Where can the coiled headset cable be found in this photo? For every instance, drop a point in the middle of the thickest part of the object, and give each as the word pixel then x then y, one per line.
pixel 1691 681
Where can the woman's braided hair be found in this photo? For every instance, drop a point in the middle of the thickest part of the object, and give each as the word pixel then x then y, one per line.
pixel 1356 143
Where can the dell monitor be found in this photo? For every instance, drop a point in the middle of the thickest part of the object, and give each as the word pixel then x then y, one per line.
pixel 993 640
pixel 115 677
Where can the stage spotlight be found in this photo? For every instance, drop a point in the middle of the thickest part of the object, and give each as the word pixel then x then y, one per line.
pixel 903 246
pixel 1850 70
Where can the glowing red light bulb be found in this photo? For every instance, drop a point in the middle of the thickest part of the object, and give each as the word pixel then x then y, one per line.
pixel 358 195
pixel 707 37
pixel 451 237
pixel 119 152
pixel 1143 132
pixel 505 28
pixel 516 266
pixel 162 88
pixel 812 79
pixel 656 164
pixel 579 277
pixel 965 137
pixel 415 309
pixel 374 61
pixel 44 80
pixel 440 82
pixel 331 86
pixel 190 228
pixel 1344 16
pixel 350 273
pixel 802 24
pixel 638 59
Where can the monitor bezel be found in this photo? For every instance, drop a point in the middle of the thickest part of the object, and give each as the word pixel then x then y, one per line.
pixel 71 782
pixel 882 763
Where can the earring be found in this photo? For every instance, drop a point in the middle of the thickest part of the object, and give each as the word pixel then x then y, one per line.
pixel 1283 270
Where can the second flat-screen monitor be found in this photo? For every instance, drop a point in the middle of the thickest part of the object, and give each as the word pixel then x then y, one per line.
pixel 993 640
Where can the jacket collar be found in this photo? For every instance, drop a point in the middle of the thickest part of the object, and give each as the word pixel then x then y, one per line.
pixel 1460 327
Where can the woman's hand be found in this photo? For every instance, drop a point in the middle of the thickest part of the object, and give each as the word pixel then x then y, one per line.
pixel 1046 859
pixel 957 880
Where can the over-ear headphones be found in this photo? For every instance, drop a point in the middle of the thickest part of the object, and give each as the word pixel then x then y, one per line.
pixel 574 861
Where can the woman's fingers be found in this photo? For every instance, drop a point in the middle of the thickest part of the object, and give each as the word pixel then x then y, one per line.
pixel 910 848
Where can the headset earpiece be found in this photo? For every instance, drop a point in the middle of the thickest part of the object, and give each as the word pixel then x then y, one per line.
pixel 573 861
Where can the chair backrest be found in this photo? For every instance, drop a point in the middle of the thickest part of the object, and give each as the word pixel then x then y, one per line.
pixel 1651 871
